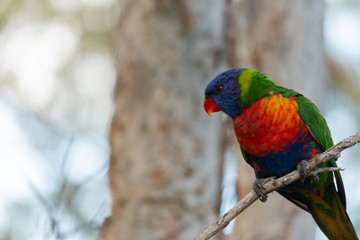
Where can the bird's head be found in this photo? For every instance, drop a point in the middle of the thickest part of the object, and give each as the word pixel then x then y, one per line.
pixel 234 90
pixel 223 93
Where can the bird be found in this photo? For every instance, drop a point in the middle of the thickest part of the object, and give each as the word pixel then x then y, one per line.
pixel 277 130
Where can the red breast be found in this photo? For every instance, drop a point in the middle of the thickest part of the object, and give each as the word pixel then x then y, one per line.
pixel 269 125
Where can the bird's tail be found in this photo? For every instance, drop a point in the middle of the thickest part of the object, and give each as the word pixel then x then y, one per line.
pixel 330 215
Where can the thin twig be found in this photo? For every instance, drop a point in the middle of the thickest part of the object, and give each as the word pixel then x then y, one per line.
pixel 272 184
pixel 327 169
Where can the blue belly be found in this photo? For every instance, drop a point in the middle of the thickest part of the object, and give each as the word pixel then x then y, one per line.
pixel 285 161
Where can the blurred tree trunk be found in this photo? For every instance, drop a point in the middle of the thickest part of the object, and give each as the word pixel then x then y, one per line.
pixel 165 168
pixel 284 40
pixel 165 171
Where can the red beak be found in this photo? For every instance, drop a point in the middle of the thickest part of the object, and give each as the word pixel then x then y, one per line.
pixel 210 106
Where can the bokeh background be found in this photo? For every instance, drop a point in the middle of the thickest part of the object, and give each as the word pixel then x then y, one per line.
pixel 59 62
pixel 56 80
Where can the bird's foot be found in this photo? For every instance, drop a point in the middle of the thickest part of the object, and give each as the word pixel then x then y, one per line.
pixel 301 167
pixel 304 173
pixel 258 186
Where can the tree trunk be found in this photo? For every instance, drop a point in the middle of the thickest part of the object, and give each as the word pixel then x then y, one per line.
pixel 164 167
pixel 284 40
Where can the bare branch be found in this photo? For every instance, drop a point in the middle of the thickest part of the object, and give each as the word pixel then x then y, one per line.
pixel 328 169
pixel 272 184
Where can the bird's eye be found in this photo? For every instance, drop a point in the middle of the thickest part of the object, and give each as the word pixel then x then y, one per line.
pixel 219 89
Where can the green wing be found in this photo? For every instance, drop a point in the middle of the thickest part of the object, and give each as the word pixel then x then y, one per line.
pixel 316 123
pixel 319 129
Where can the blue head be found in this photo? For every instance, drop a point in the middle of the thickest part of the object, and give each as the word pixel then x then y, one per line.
pixel 223 93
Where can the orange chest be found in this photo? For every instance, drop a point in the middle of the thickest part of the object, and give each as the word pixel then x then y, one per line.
pixel 269 125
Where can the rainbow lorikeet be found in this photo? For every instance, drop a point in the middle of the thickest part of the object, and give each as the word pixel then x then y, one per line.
pixel 277 128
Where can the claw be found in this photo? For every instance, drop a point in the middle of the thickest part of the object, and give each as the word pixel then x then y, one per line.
pixel 301 167
pixel 257 186
pixel 316 178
